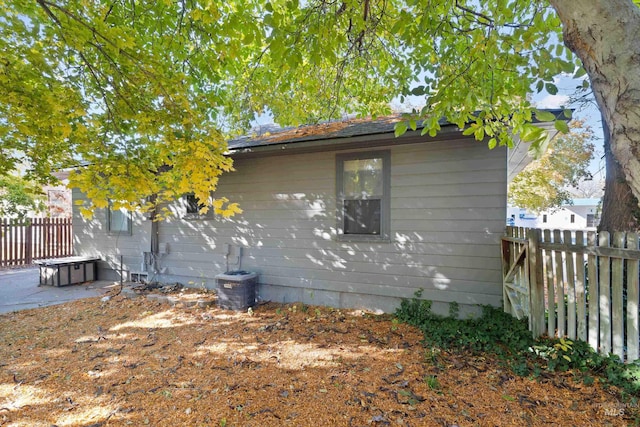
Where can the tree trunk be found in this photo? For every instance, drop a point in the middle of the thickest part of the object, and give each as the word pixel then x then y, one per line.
pixel 619 205
pixel 604 35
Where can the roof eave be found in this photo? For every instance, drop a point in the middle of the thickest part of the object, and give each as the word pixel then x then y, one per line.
pixel 447 132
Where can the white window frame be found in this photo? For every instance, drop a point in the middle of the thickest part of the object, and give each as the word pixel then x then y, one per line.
pixel 385 200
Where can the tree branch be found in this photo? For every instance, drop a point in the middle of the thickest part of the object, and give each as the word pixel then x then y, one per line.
pixel 481 16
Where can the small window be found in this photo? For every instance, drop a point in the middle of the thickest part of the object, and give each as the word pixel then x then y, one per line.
pixel 544 218
pixel 363 187
pixel 591 220
pixel 119 221
pixel 192 207
pixel 573 219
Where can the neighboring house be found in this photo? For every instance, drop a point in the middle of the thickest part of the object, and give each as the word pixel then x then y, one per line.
pixel 58 198
pixel 342 214
pixel 581 214
pixel 53 201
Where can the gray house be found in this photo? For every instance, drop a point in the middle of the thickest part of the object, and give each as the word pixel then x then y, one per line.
pixel 342 214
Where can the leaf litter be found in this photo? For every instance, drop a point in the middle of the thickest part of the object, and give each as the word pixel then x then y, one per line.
pixel 143 361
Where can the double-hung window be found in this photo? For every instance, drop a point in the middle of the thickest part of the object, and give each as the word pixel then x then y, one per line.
pixel 363 201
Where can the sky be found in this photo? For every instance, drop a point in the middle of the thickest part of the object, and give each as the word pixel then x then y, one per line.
pixel 566 88
pixel 587 112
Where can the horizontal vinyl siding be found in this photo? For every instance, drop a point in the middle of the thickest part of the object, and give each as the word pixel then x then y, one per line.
pixel 448 203
pixel 92 238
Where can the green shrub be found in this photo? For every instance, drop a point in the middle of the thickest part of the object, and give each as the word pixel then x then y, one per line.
pixel 494 331
pixel 499 334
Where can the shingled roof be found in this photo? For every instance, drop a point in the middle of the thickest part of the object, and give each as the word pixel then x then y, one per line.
pixel 348 128
pixel 331 130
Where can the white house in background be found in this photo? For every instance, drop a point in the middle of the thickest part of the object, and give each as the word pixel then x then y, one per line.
pixel 582 214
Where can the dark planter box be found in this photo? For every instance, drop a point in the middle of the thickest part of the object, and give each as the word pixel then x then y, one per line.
pixel 67 271
pixel 236 290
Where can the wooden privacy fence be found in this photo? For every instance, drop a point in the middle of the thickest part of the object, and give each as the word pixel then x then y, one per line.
pixel 575 284
pixel 22 241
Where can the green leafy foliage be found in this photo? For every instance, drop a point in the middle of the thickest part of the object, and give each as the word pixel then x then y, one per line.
pixel 19 197
pixel 432 382
pixel 144 94
pixel 494 331
pixel 567 355
pixel 545 183
pixel 500 335
pixel 559 354
pixel 127 89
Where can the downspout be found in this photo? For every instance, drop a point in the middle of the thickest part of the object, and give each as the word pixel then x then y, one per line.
pixel 154 233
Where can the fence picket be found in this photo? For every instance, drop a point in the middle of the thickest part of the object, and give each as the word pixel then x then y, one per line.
pixel 506 250
pixel 39 232
pixel 594 291
pixel 58 235
pixel 604 300
pixel 633 328
pixel 3 241
pixel 570 290
pixel 36 238
pixel 581 300
pixel 22 253
pixel 559 289
pixel 551 298
pixel 617 306
pixel 536 283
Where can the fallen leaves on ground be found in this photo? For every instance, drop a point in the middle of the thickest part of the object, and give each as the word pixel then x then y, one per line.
pixel 141 361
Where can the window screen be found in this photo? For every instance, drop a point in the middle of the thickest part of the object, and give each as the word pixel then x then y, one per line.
pixel 363 199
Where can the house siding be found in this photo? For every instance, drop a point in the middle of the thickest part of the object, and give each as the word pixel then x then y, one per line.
pixel 448 203
pixel 91 237
pixel 447 213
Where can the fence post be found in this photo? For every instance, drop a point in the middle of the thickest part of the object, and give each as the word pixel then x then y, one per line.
pixel 536 283
pixel 28 244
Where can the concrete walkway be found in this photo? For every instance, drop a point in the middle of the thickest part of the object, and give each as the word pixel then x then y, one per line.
pixel 19 290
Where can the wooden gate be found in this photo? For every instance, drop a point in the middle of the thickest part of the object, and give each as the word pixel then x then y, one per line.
pixel 575 284
pixel 515 274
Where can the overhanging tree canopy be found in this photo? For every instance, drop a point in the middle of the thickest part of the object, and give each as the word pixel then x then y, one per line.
pixel 145 91
pixel 545 184
pixel 18 198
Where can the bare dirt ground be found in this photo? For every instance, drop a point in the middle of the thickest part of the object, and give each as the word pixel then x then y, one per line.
pixel 144 362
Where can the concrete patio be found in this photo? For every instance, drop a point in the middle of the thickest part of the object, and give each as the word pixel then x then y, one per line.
pixel 20 290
